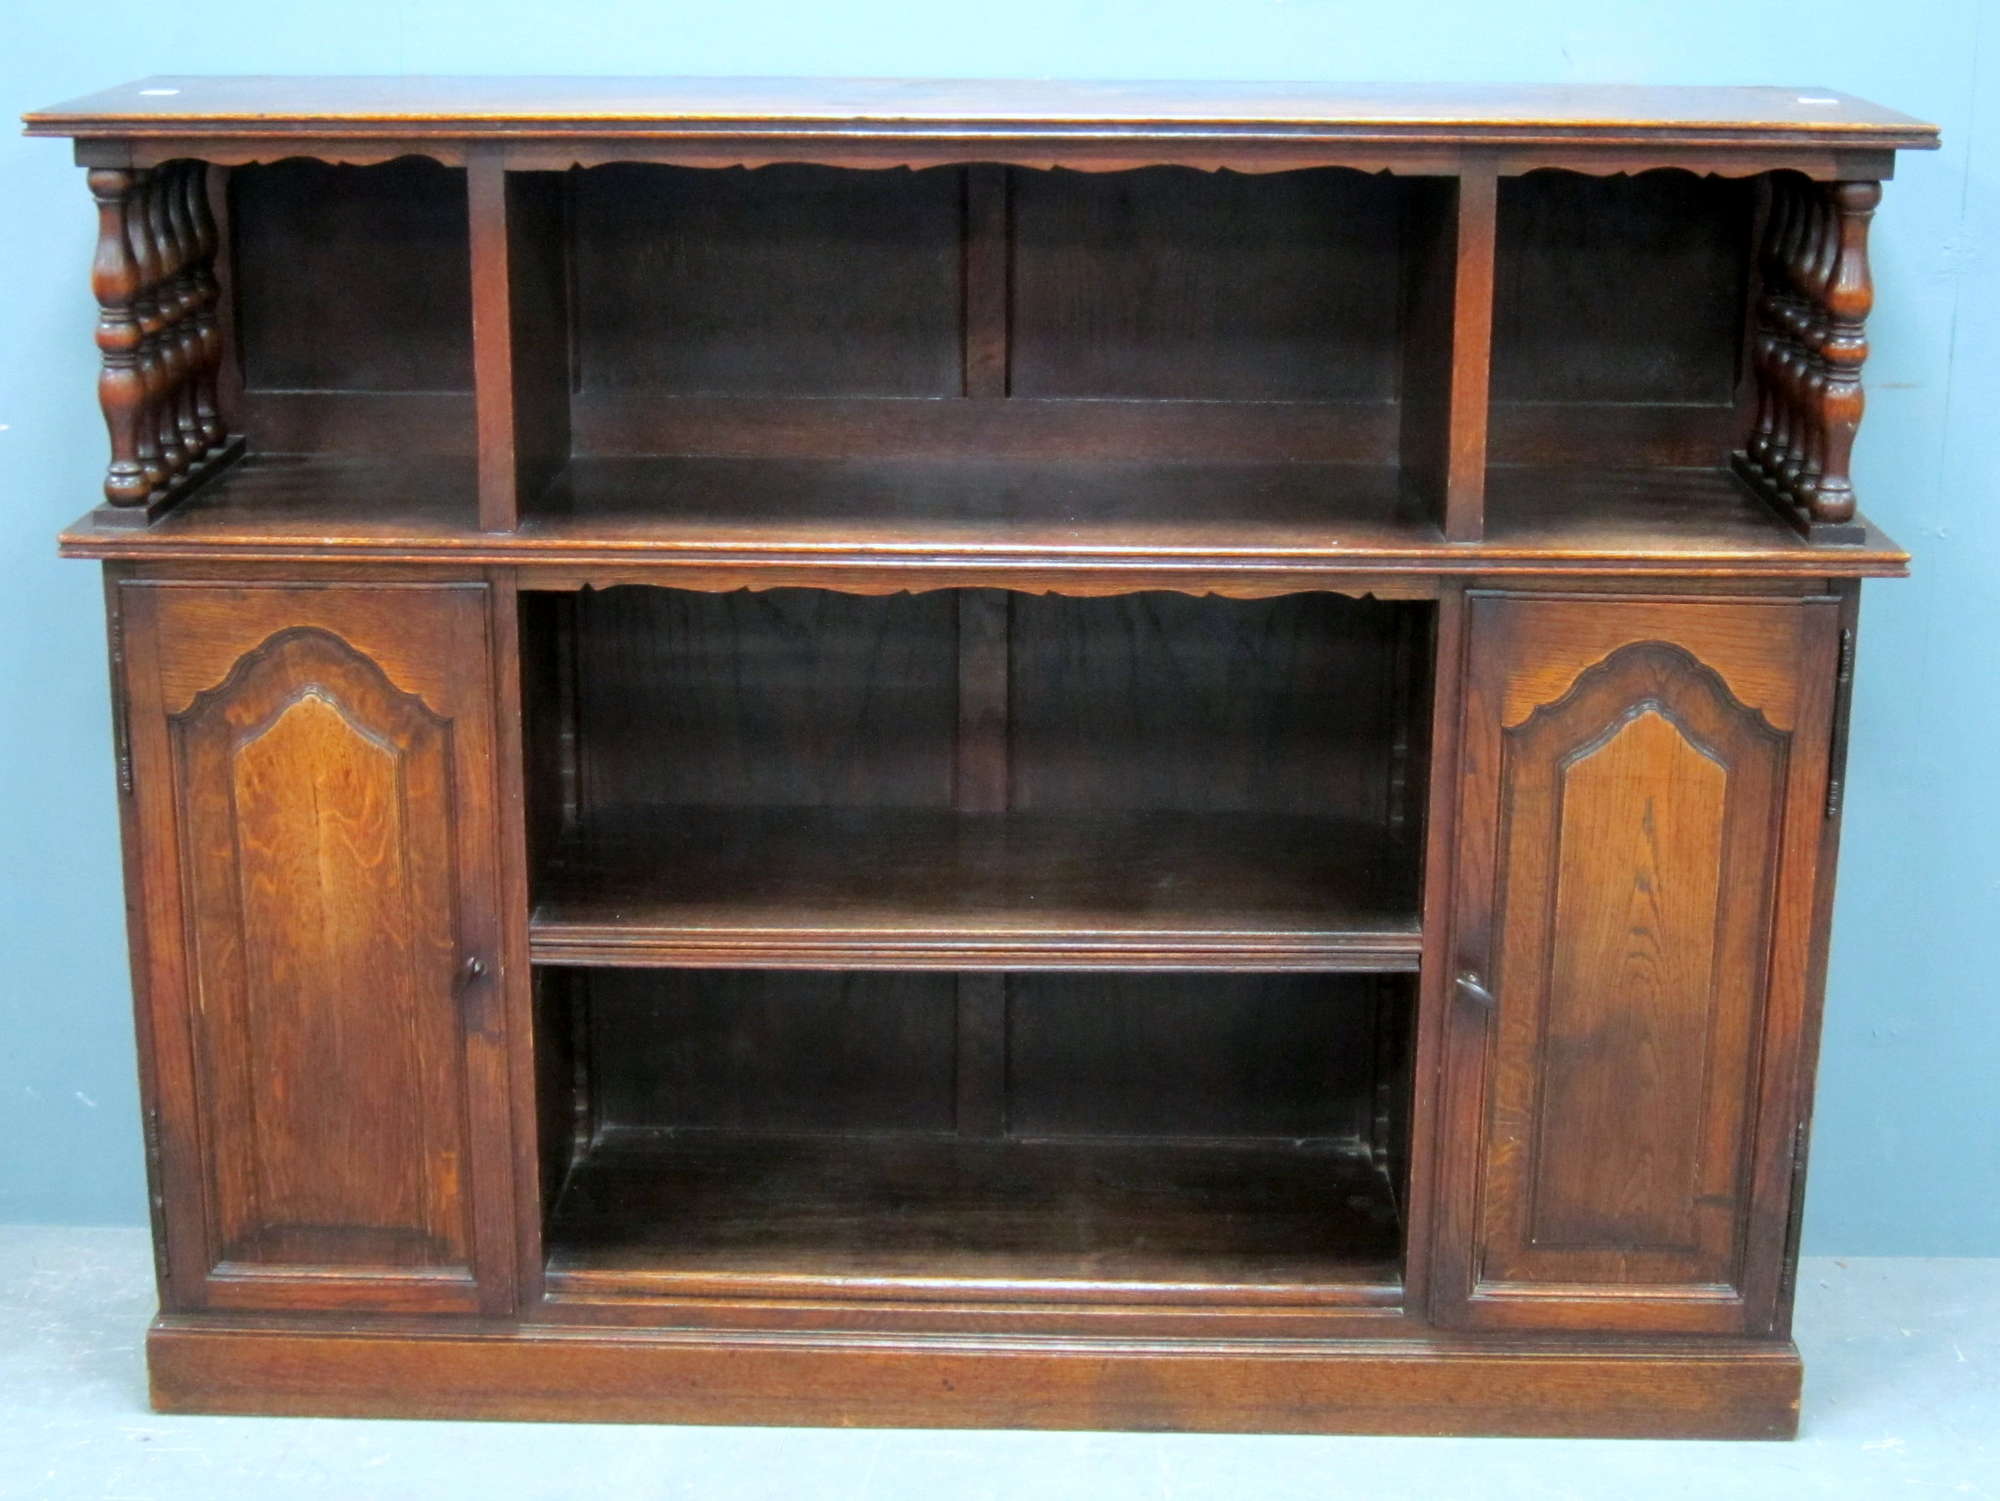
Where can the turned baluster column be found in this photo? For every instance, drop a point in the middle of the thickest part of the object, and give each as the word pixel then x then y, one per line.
pixel 208 296
pixel 1804 479
pixel 186 330
pixel 1783 311
pixel 1850 293
pixel 1762 447
pixel 164 332
pixel 1801 254
pixel 115 278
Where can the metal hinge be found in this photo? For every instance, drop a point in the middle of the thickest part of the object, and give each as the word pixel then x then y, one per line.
pixel 1843 688
pixel 1789 1276
pixel 156 1193
pixel 121 733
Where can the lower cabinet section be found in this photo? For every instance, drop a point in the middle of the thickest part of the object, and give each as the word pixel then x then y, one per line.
pixel 1643 792
pixel 312 775
pixel 1043 1090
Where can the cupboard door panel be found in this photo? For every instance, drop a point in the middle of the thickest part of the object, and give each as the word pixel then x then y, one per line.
pixel 1642 782
pixel 313 768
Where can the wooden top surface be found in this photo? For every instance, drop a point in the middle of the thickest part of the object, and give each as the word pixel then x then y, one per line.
pixel 1457 114
pixel 909 516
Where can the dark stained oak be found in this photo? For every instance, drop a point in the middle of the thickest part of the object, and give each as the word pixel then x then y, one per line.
pixel 314 789
pixel 660 1215
pixel 1437 1386
pixel 443 107
pixel 755 516
pixel 1640 805
pixel 944 890
pixel 313 244
pixel 989 753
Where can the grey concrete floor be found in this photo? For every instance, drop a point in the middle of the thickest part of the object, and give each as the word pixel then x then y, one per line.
pixel 1902 1399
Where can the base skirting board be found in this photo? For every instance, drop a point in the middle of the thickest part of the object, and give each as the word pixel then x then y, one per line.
pixel 1401 1387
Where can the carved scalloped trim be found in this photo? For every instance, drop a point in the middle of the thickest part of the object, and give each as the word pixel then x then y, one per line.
pixel 267 657
pixel 1254 155
pixel 1671 655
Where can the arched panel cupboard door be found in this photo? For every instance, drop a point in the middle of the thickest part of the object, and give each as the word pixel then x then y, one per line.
pixel 1643 798
pixel 312 785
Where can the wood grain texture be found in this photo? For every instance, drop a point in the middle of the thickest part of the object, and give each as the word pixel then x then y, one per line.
pixel 414 108
pixel 1161 702
pixel 1624 849
pixel 987 248
pixel 914 1217
pixel 1463 508
pixel 819 887
pixel 714 1051
pixel 521 335
pixel 1174 284
pixel 792 280
pixel 331 259
pixel 789 698
pixel 318 873
pixel 890 525
pixel 1428 1387
pixel 313 794
pixel 1628 289
pixel 1234 769
pixel 1286 1057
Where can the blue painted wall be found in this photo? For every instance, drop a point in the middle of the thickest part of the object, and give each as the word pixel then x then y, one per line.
pixel 1906 1160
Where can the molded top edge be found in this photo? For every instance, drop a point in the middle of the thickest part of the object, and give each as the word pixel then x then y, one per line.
pixel 610 108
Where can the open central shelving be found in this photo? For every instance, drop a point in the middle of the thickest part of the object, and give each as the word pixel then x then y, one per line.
pixel 809 869
pixel 952 890
pixel 659 1214
pixel 1125 1138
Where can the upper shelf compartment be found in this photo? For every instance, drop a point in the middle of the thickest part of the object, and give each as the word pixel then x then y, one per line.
pixel 976 314
pixel 1618 319
pixel 352 307
pixel 677 320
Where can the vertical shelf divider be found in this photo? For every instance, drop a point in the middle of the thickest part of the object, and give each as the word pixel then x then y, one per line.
pixel 520 339
pixel 1471 351
pixel 1447 350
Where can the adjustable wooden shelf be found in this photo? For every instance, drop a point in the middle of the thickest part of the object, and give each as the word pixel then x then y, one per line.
pixel 1017 754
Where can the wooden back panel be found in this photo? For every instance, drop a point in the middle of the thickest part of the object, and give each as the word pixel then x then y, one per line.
pixel 352 278
pixel 787 281
pixel 1146 702
pixel 1172 284
pixel 1208 1055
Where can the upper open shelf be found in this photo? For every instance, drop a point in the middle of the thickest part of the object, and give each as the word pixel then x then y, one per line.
pixel 1278 321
